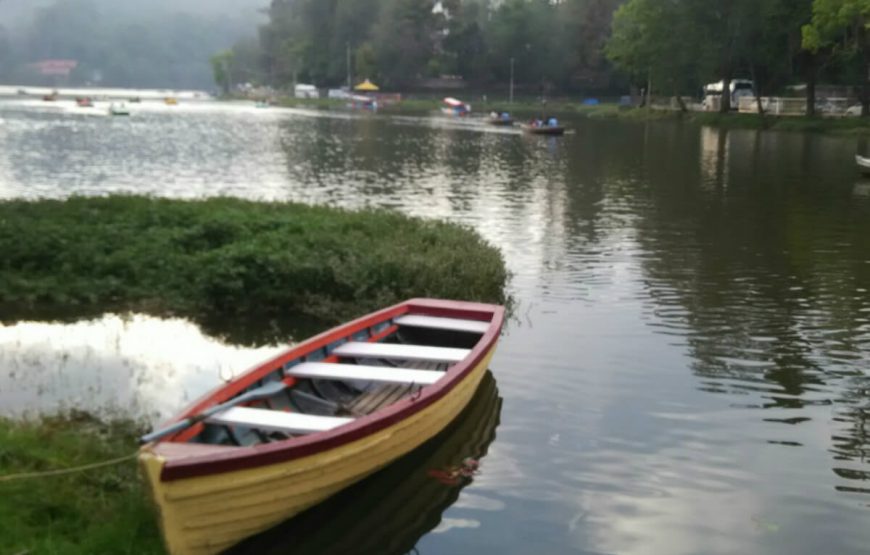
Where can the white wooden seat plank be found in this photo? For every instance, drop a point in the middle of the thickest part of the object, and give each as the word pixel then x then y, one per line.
pixel 388 374
pixel 396 351
pixel 437 322
pixel 276 421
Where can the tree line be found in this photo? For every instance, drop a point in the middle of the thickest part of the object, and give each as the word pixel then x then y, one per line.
pixel 399 43
pixel 679 44
pixel 592 46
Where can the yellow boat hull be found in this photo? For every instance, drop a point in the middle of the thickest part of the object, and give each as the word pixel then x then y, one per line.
pixel 208 514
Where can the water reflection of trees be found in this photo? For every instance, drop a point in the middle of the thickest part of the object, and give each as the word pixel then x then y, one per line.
pixel 762 268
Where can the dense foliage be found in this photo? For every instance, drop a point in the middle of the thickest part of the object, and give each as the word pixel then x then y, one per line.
pixel 680 44
pixel 402 43
pixel 567 45
pixel 232 257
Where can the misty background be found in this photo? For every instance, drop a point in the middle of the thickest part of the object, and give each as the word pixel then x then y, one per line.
pixel 124 43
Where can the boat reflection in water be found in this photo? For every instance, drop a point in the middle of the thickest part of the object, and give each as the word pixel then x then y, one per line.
pixel 391 510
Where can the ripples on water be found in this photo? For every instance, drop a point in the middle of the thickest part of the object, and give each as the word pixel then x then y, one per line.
pixel 687 371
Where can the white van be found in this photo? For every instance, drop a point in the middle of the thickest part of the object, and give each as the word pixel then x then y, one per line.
pixel 306 91
pixel 739 89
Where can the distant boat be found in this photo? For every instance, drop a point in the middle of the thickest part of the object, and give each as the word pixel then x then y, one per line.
pixel 50 97
pixel 135 100
pixel 503 119
pixel 118 109
pixel 863 164
pixel 84 102
pixel 170 101
pixel 544 129
pixel 363 102
pixel 455 108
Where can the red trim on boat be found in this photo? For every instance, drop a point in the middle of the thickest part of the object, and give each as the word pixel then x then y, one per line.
pixel 240 458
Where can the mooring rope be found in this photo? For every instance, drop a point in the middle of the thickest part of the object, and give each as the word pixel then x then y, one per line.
pixel 62 471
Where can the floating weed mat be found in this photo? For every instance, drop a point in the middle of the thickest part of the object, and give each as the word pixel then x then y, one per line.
pixel 223 256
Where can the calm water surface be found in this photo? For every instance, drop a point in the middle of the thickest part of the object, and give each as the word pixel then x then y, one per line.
pixel 688 371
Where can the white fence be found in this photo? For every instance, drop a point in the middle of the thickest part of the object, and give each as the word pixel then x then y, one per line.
pixel 777 106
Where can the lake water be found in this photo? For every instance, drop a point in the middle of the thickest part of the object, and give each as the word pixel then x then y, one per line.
pixel 688 370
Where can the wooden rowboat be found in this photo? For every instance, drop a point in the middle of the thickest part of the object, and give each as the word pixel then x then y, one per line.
pixel 543 130
pixel 348 402
pixel 388 512
pixel 863 164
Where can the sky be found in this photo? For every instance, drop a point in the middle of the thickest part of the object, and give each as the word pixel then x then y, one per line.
pixel 123 43
pixel 14 12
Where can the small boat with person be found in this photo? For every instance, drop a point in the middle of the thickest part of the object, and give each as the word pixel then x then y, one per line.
pixel 455 108
pixel 544 126
pixel 363 102
pixel 501 119
pixel 318 417
pixel 84 102
pixel 863 164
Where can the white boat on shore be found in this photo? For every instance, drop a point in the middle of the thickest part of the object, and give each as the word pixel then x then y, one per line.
pixel 118 109
pixel 863 164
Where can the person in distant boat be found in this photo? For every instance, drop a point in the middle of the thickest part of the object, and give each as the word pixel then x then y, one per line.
pixel 505 116
pixel 552 122
pixel 493 114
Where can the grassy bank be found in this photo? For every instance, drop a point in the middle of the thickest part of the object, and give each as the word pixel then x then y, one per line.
pixel 101 511
pixel 849 125
pixel 230 257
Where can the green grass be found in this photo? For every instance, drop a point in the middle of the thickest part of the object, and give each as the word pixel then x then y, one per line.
pixel 732 120
pixel 101 511
pixel 849 125
pixel 223 258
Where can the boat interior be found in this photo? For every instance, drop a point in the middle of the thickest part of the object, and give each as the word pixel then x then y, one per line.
pixel 366 371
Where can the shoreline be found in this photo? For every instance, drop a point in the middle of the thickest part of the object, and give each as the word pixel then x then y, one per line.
pixel 561 108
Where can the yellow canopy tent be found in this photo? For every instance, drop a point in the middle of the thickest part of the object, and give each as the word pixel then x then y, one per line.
pixel 367 86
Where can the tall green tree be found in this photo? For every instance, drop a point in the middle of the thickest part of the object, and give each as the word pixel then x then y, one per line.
pixel 464 47
pixel 771 41
pixel 404 40
pixel 222 68
pixel 842 25
pixel 649 42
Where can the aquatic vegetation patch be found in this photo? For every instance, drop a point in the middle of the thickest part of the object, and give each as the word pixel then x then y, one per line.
pixel 228 257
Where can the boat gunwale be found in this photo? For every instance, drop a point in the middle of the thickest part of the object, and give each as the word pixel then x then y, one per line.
pixel 243 458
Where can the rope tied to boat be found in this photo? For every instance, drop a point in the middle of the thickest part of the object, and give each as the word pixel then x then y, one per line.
pixel 63 471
